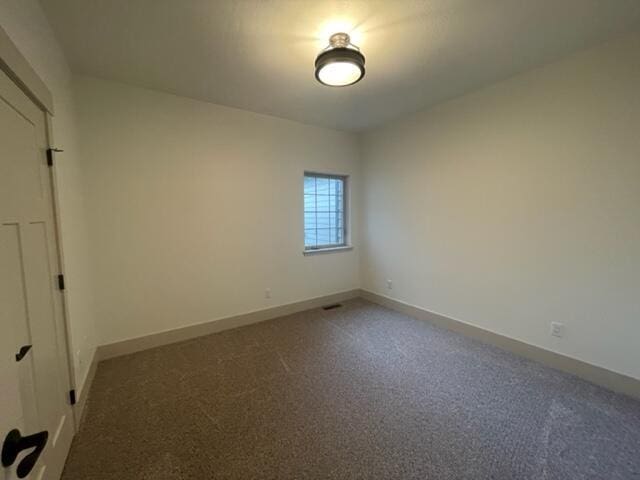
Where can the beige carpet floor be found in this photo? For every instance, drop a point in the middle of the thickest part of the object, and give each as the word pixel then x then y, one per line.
pixel 359 392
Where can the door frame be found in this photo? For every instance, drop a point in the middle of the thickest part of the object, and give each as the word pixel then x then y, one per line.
pixel 18 69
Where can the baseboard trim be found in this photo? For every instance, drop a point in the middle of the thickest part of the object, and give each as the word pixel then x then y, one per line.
pixel 167 337
pixel 82 394
pixel 592 373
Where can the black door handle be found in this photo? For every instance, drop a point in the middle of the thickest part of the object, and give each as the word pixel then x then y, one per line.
pixel 14 443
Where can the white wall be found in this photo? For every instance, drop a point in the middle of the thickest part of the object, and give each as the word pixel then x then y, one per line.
pixel 507 208
pixel 196 208
pixel 518 205
pixel 26 25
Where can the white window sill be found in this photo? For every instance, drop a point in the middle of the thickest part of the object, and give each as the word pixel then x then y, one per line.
pixel 315 251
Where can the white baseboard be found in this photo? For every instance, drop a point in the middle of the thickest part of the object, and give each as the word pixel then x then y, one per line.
pixel 82 393
pixel 153 340
pixel 592 373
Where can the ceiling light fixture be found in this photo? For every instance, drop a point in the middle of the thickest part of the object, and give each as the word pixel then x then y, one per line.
pixel 341 63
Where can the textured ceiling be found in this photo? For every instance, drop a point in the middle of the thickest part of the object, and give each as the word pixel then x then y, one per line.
pixel 258 54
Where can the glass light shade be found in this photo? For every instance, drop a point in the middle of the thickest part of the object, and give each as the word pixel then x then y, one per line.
pixel 339 74
pixel 339 67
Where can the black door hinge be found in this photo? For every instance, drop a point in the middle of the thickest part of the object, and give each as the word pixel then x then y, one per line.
pixel 50 152
pixel 23 351
pixel 61 282
pixel 72 396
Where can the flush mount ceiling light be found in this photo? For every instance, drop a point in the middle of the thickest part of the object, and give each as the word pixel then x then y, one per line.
pixel 341 63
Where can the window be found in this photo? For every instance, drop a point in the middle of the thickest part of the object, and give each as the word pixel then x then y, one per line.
pixel 324 211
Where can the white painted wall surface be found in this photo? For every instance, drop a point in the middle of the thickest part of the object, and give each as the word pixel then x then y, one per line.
pixel 518 205
pixel 507 208
pixel 26 25
pixel 196 208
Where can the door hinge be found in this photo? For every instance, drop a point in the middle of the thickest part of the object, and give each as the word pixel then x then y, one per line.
pixel 72 396
pixel 50 152
pixel 61 282
pixel 23 351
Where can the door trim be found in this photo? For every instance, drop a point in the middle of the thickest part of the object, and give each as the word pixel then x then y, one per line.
pixel 16 66
pixel 18 69
pixel 55 199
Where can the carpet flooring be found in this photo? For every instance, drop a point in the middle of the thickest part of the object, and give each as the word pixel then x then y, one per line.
pixel 359 392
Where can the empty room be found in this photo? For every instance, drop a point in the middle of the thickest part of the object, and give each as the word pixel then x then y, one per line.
pixel 304 239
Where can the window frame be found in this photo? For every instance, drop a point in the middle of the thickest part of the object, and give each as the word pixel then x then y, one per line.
pixel 331 247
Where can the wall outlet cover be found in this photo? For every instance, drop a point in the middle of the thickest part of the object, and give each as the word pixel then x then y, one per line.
pixel 557 329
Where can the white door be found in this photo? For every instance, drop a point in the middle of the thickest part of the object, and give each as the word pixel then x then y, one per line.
pixel 33 388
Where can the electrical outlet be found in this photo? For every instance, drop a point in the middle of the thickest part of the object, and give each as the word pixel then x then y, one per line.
pixel 557 329
pixel 267 293
pixel 389 284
